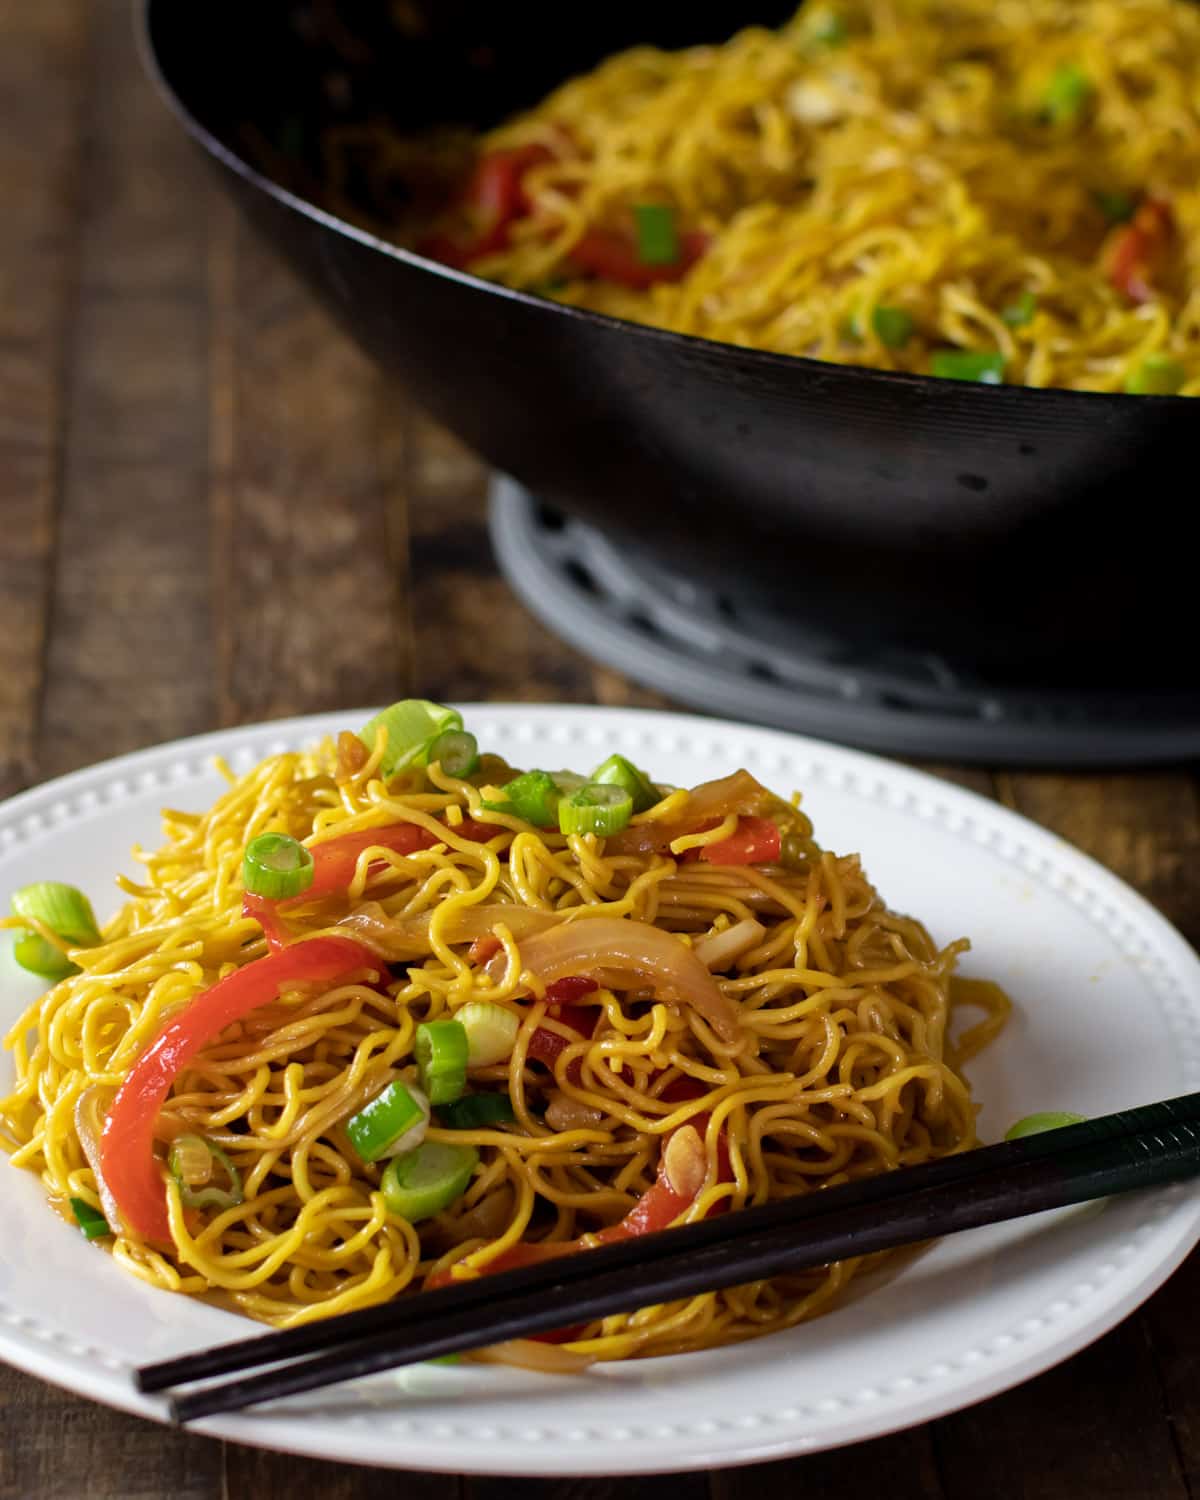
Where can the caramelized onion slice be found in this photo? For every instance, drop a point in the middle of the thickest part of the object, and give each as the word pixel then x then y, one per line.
pixel 710 801
pixel 632 952
pixel 401 939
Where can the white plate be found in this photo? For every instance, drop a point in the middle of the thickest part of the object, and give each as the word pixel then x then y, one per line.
pixel 1085 958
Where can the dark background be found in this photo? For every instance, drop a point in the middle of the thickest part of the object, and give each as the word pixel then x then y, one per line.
pixel 214 511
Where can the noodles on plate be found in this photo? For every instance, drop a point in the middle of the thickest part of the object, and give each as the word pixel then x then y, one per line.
pixel 389 1013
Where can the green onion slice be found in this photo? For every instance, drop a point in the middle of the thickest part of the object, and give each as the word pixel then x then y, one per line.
pixel 983 366
pixel 1021 310
pixel 1116 206
pixel 793 852
pixel 276 866
pixel 477 1112
pixel 1156 375
pixel 1067 95
pixel 597 807
pixel 412 726
pixel 532 796
pixel 191 1160
pixel 67 912
pixel 92 1223
pixel 617 771
pixel 893 326
pixel 491 1032
pixel 456 751
pixel 442 1050
pixel 427 1180
pixel 657 239
pixel 1048 1120
pixel 394 1122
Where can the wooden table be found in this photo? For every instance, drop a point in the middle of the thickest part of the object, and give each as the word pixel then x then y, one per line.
pixel 213 511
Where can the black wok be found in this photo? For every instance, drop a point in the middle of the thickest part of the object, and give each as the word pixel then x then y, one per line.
pixel 1034 531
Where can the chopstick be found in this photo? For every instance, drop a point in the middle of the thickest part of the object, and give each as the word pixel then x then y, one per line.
pixel 1138 1148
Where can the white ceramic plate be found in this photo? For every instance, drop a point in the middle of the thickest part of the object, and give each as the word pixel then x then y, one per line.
pixel 1078 950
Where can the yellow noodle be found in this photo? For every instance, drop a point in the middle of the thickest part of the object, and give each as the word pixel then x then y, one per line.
pixel 840 1068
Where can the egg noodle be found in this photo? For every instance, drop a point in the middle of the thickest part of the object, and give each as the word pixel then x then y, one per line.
pixel 1018 179
pixel 822 1053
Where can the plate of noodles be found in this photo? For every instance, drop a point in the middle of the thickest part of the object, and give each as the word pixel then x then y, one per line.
pixel 386 1000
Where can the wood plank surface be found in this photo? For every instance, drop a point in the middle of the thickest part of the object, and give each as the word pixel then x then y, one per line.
pixel 214 511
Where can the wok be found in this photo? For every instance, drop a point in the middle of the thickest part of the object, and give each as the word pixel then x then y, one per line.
pixel 1030 532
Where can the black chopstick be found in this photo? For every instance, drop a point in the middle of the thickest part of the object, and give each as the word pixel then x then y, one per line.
pixel 1137 1148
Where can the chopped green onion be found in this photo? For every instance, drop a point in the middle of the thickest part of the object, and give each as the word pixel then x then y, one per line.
pixel 982 366
pixel 412 726
pixel 491 1032
pixel 597 807
pixel 1021 312
pixel 1035 1124
pixel 617 771
pixel 441 1050
pixel 392 1123
pixel 91 1221
pixel 1067 95
pixel 427 1180
pixel 477 1112
pixel 1156 375
pixel 793 852
pixel 1116 206
pixel 276 866
pixel 190 1160
pixel 68 914
pixel 657 240
pixel 893 326
pixel 828 27
pixel 456 751
pixel 532 796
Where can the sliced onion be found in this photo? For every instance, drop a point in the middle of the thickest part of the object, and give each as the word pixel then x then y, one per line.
pixel 399 939
pixel 89 1120
pixel 633 952
pixel 563 1113
pixel 739 793
pixel 721 949
pixel 529 1354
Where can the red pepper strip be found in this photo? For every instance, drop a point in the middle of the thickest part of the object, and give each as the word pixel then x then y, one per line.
pixel 569 989
pixel 546 1045
pixel 335 861
pixel 492 201
pixel 484 948
pixel 1134 249
pixel 126 1143
pixel 755 841
pixel 612 254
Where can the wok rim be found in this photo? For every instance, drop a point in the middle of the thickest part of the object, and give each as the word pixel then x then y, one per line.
pixel 1006 395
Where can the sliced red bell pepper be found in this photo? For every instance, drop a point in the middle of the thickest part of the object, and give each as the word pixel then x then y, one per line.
pixel 1134 250
pixel 545 1045
pixel 492 201
pixel 755 841
pixel 127 1141
pixel 612 255
pixel 569 989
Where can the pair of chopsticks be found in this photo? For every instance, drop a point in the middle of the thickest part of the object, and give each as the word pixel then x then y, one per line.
pixel 1137 1148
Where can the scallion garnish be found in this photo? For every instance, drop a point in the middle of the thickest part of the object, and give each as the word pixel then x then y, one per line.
pixel 67 912
pixel 1066 95
pixel 657 239
pixel 1048 1120
pixel 532 796
pixel 442 1050
pixel 427 1180
pixel 412 726
pixel 893 326
pixel 491 1032
pixel 982 366
pixel 1116 206
pixel 597 807
pixel 456 751
pixel 392 1123
pixel 1156 375
pixel 477 1112
pixel 191 1160
pixel 92 1223
pixel 1020 311
pixel 276 867
pixel 617 771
